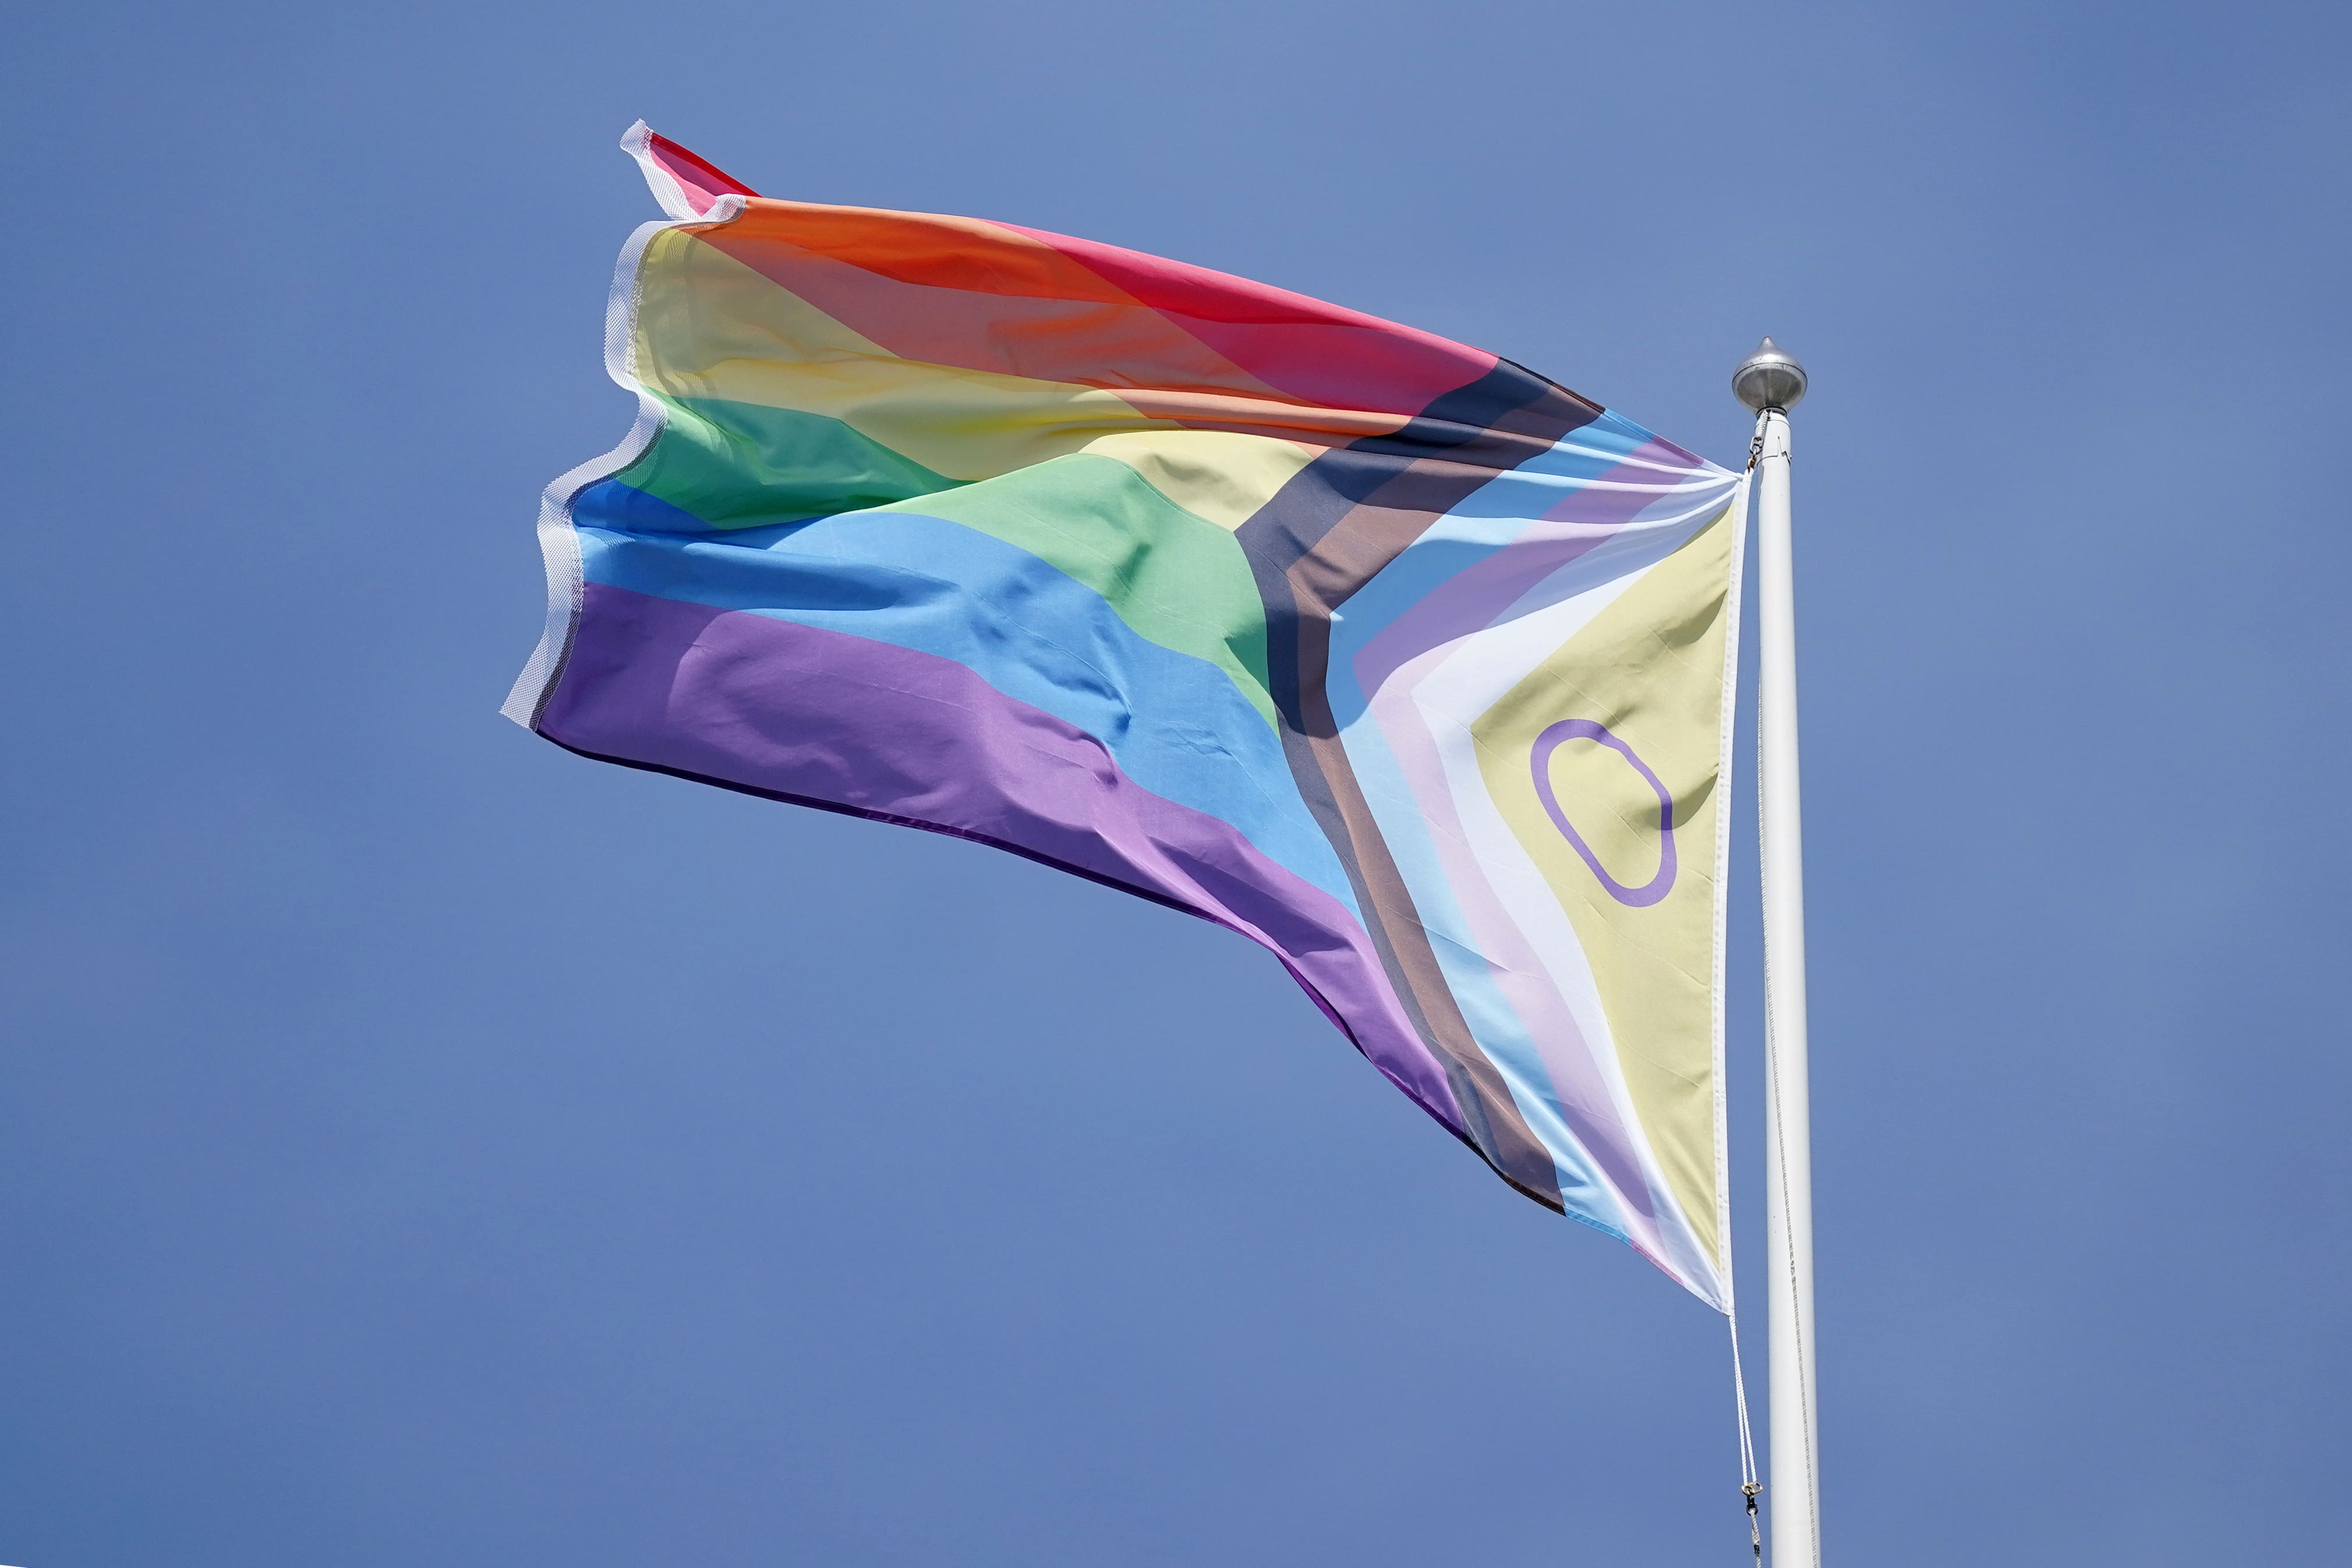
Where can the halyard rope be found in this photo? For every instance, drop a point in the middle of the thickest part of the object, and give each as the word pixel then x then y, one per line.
pixel 1750 1487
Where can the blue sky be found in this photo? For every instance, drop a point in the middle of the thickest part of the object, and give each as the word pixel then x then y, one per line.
pixel 419 1144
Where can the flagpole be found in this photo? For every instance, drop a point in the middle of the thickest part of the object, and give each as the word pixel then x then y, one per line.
pixel 1770 382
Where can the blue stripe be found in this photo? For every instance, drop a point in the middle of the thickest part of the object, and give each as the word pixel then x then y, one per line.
pixel 1545 480
pixel 1468 969
pixel 610 504
pixel 1173 723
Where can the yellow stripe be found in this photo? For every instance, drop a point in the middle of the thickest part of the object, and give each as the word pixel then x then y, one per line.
pixel 1222 478
pixel 710 326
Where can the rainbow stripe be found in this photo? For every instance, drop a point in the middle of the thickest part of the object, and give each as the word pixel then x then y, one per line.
pixel 1401 659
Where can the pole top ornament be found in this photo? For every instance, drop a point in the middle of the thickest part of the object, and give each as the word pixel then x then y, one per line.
pixel 1769 378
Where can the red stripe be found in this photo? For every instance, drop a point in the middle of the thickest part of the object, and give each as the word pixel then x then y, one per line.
pixel 1323 353
pixel 702 181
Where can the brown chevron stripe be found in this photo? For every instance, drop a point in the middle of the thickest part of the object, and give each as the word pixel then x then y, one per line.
pixel 1330 530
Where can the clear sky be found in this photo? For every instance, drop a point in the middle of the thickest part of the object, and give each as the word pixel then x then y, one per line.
pixel 420 1146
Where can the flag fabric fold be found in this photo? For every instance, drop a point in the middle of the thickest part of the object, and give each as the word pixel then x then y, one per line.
pixel 1405 662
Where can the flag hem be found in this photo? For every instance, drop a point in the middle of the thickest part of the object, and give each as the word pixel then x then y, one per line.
pixel 1725 768
pixel 558 545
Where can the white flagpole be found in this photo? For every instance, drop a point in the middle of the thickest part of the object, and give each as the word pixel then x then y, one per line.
pixel 1770 382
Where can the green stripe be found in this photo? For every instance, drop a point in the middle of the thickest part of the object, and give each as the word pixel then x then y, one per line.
pixel 1174 577
pixel 743 465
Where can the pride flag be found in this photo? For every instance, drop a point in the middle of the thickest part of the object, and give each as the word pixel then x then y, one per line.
pixel 1403 661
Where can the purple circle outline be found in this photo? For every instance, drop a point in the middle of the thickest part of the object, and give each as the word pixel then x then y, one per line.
pixel 1540 761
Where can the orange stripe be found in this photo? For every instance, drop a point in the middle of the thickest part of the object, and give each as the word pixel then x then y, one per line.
pixel 1309 422
pixel 969 254
pixel 1085 341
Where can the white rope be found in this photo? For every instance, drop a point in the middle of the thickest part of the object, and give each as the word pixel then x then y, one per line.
pixel 1750 1487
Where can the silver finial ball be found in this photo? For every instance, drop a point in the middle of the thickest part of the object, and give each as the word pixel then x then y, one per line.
pixel 1769 378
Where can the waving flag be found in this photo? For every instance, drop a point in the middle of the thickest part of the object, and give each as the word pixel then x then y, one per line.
pixel 1396 658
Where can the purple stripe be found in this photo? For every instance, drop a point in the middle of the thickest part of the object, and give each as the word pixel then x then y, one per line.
pixel 830 719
